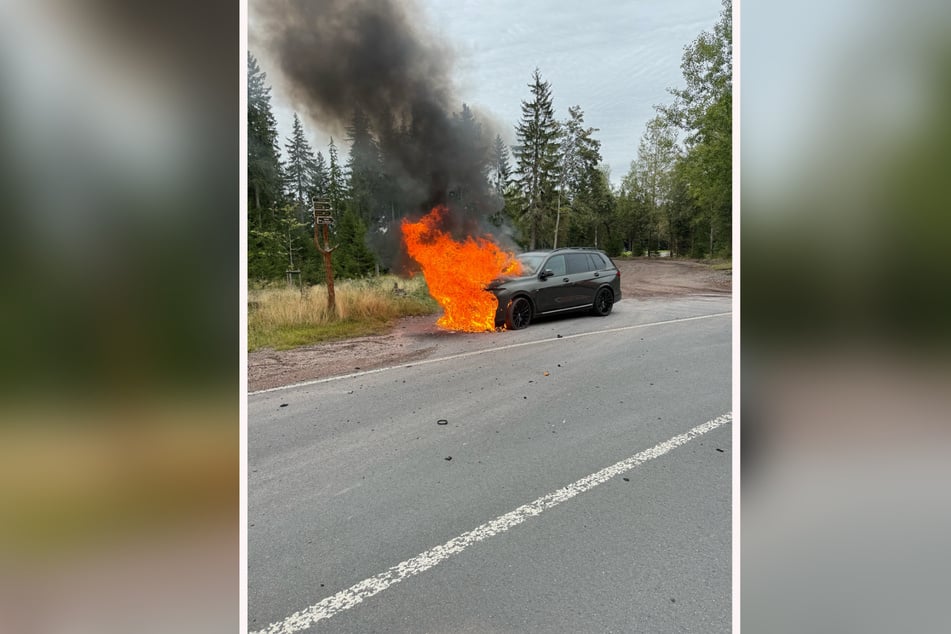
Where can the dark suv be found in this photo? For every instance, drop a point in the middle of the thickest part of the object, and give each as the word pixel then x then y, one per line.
pixel 554 281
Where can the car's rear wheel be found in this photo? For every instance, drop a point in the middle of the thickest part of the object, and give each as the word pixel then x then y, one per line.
pixel 518 313
pixel 603 302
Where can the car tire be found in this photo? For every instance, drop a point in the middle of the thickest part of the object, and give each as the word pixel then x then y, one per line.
pixel 603 302
pixel 518 313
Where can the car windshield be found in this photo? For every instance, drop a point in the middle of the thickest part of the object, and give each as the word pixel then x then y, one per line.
pixel 530 262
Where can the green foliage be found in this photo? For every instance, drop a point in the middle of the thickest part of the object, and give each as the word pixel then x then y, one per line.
pixel 264 166
pixel 336 186
pixel 586 201
pixel 352 258
pixel 302 172
pixel 537 161
pixel 703 110
pixel 500 170
pixel 366 169
pixel 473 161
pixel 580 155
pixel 500 177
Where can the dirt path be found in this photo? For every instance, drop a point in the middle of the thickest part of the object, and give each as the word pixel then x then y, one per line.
pixel 640 278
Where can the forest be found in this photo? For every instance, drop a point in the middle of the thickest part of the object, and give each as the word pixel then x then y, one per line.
pixel 548 189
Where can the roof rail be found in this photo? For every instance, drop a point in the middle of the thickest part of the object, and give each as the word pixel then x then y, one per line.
pixel 576 248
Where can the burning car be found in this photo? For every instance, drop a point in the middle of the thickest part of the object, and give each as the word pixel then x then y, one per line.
pixel 555 281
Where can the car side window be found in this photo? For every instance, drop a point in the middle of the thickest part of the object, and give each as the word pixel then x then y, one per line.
pixel 556 264
pixel 595 262
pixel 577 263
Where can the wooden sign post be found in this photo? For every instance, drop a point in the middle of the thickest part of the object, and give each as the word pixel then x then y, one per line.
pixel 323 218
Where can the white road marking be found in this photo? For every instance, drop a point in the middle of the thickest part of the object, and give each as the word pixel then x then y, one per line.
pixel 356 594
pixel 474 353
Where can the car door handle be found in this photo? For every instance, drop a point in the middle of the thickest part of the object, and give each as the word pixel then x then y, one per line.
pixel 596 274
pixel 564 279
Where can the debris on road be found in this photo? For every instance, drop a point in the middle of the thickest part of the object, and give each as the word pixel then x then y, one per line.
pixel 442 421
pixel 448 458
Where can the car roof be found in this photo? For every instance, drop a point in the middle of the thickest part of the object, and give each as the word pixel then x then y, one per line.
pixel 560 249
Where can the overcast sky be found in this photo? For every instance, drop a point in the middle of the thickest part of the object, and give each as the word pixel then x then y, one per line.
pixel 614 58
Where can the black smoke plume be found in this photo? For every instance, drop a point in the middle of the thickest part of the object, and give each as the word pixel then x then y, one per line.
pixel 338 58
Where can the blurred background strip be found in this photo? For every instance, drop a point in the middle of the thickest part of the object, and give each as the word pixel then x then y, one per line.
pixel 846 241
pixel 119 304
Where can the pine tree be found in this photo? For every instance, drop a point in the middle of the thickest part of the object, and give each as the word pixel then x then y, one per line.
pixel 300 170
pixel 536 157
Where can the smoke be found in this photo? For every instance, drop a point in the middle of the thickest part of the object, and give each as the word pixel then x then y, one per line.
pixel 338 57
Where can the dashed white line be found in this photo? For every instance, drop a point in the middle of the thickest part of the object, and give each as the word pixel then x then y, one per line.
pixel 356 594
pixel 473 353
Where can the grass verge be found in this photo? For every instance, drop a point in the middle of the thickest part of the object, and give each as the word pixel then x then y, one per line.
pixel 283 318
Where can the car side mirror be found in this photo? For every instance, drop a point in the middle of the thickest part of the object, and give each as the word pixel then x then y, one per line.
pixel 546 274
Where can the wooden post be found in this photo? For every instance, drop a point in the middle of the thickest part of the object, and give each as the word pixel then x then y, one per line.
pixel 322 218
pixel 329 270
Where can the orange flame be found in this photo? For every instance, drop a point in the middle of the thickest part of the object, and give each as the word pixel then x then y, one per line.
pixel 457 272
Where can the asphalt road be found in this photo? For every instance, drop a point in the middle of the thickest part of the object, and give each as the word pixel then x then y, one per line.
pixel 351 476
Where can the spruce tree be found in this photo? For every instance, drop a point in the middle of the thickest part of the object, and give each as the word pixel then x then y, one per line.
pixel 300 170
pixel 580 155
pixel 352 257
pixel 265 183
pixel 500 178
pixel 319 178
pixel 580 187
pixel 536 158
pixel 500 171
pixel 364 167
pixel 264 167
pixel 336 187
pixel 472 191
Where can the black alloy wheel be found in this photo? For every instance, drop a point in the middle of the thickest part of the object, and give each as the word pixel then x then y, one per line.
pixel 603 302
pixel 518 314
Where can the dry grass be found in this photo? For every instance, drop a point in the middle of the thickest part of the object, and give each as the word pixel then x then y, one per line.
pixel 284 318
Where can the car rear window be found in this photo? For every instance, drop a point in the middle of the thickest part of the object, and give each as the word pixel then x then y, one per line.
pixel 577 263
